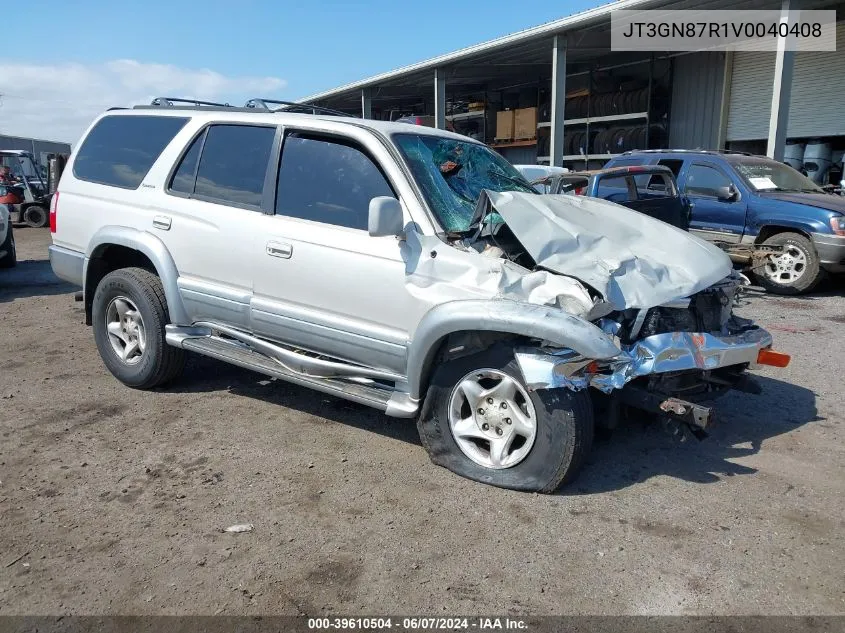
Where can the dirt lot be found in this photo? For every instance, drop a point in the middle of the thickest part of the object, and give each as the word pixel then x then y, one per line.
pixel 113 500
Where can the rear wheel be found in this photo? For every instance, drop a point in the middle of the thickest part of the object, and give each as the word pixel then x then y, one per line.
pixel 796 270
pixel 481 422
pixel 36 216
pixel 129 315
pixel 10 259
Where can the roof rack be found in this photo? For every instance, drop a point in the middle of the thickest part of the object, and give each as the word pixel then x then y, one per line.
pixel 291 106
pixel 173 101
pixel 263 105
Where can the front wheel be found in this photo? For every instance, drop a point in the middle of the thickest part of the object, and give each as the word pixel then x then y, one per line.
pixel 480 421
pixel 796 270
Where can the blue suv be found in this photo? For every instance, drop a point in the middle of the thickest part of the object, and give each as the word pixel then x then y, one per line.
pixel 745 199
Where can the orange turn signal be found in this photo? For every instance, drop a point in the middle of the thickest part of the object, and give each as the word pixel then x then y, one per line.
pixel 770 357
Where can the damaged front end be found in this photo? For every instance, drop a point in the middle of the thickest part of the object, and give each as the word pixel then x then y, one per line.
pixel 650 306
pixel 671 357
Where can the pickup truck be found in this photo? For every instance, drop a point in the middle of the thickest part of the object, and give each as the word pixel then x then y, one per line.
pixel 650 190
pixel 653 191
pixel 753 200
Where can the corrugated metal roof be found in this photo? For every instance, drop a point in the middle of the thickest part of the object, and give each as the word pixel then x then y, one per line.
pixel 527 46
pixel 520 37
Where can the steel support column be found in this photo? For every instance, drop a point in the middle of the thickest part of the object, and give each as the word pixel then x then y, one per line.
pixel 366 104
pixel 725 104
pixel 556 151
pixel 781 93
pixel 440 98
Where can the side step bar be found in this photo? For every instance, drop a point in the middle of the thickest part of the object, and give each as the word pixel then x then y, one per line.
pixel 357 388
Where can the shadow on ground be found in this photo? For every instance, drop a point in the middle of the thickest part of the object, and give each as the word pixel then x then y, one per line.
pixel 208 375
pixel 639 451
pixel 634 453
pixel 31 278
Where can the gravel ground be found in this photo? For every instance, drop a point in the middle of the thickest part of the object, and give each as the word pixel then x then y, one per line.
pixel 113 500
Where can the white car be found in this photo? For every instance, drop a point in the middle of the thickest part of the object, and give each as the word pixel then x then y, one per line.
pixel 406 268
pixel 536 172
pixel 8 255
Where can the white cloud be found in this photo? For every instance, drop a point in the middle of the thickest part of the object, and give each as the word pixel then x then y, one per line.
pixel 57 102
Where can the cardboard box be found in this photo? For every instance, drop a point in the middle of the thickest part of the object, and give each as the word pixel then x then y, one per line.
pixel 504 125
pixel 525 123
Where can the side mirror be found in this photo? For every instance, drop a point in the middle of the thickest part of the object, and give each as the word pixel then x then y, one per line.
pixel 726 194
pixel 385 217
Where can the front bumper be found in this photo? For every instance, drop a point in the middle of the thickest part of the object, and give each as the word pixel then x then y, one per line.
pixel 657 354
pixel 831 251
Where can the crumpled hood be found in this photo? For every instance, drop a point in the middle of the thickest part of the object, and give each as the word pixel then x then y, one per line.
pixel 633 260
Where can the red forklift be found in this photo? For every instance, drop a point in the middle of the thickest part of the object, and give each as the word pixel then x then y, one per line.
pixel 28 188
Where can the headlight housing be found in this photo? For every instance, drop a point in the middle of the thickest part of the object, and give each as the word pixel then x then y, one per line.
pixel 837 223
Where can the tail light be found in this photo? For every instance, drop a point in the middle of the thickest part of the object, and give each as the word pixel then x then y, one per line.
pixel 54 206
pixel 579 191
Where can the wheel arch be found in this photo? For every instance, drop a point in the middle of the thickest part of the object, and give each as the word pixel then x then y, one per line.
pixel 770 230
pixel 114 247
pixel 494 320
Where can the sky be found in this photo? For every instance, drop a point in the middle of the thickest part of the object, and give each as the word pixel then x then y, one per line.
pixel 68 61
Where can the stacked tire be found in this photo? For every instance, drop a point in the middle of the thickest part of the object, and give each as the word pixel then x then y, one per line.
pixel 609 104
pixel 618 139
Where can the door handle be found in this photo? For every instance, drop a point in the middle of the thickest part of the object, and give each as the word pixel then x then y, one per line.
pixel 279 249
pixel 162 222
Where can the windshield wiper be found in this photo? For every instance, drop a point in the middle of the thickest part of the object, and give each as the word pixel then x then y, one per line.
pixel 793 190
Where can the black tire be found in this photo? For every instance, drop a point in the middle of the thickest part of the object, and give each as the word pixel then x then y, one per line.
pixel 160 363
pixel 10 260
pixel 36 216
pixel 564 428
pixel 812 274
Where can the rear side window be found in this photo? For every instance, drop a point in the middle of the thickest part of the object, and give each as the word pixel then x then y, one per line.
pixel 120 150
pixel 614 189
pixel 625 162
pixel 655 185
pixel 185 177
pixel 233 164
pixel 672 163
pixel 327 181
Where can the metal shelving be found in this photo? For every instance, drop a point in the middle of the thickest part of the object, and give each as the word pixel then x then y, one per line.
pixel 598 119
pixel 579 157
pixel 465 115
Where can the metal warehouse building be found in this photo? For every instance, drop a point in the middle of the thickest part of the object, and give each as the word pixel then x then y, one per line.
pixel 558 94
pixel 38 147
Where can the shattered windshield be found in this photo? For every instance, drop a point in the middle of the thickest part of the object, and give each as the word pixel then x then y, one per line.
pixel 452 175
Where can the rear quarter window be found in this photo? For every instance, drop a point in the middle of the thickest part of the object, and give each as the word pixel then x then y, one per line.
pixel 613 188
pixel 120 150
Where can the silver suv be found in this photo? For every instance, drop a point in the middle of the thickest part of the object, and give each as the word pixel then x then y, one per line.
pixel 405 268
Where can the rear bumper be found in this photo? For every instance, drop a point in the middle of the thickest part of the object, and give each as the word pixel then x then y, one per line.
pixel 67 264
pixel 831 250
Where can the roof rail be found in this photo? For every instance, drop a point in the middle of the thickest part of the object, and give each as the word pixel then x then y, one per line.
pixel 291 106
pixel 686 151
pixel 172 101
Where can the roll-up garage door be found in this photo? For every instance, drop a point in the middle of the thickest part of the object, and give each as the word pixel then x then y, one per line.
pixel 818 94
